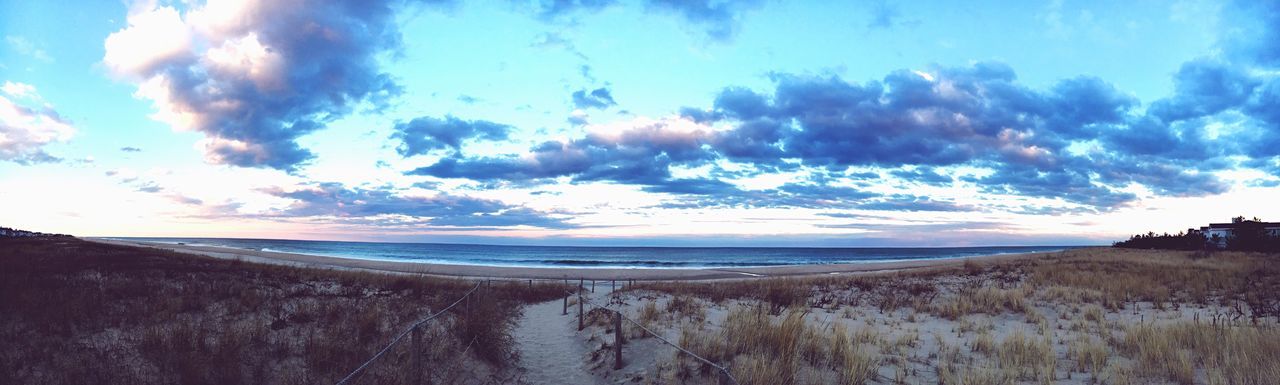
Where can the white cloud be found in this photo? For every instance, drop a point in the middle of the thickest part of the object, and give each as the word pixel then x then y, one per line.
pixel 154 36
pixel 25 130
pixel 25 47
pixel 255 75
pixel 18 90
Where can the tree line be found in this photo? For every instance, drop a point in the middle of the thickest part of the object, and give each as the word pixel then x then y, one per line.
pixel 1247 235
pixel 6 232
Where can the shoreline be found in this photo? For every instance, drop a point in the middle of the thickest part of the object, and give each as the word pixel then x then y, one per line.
pixel 511 272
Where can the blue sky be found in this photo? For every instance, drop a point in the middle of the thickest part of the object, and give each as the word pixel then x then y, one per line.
pixel 866 123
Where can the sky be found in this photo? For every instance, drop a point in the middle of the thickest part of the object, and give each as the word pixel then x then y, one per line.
pixel 650 122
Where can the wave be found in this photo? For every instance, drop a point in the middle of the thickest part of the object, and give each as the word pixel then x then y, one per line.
pixel 638 263
pixel 600 257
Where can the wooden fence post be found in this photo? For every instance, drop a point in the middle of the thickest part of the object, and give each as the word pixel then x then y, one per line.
pixel 617 340
pixel 579 311
pixel 566 305
pixel 417 354
pixel 593 286
pixel 613 285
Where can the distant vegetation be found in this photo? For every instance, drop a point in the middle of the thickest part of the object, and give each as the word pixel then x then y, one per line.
pixel 1248 235
pixel 15 233
pixel 1190 240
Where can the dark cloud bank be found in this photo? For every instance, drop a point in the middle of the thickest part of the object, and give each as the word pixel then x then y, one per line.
pixel 329 52
pixel 597 98
pixel 718 20
pixel 384 206
pixel 1080 141
pixel 977 115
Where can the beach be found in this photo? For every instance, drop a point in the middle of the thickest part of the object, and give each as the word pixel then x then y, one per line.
pixel 199 314
pixel 511 272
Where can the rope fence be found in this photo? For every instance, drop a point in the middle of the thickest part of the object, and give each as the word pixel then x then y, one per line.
pixel 412 328
pixel 620 340
pixel 414 331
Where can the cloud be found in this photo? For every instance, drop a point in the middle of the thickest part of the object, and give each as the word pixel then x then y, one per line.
pixel 908 202
pixel 598 98
pixel 810 194
pixel 578 118
pixel 1204 87
pixel 131 178
pixel 978 116
pixel 519 216
pixel 424 134
pixel 1080 141
pixel 186 200
pixel 27 125
pixel 555 9
pixel 130 149
pixel 719 19
pixel 23 46
pixel 886 16
pixel 254 76
pixel 550 40
pixel 150 187
pixel 924 175
pixel 640 153
pixel 1254 38
pixel 18 90
pixel 342 203
pixel 695 186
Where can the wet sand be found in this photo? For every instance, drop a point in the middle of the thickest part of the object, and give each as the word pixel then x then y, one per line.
pixel 477 271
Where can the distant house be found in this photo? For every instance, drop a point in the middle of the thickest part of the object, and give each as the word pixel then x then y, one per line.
pixel 6 232
pixel 1219 232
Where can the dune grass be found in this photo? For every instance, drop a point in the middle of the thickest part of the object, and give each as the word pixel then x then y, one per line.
pixel 1227 354
pixel 763 349
pixel 1086 309
pixel 75 311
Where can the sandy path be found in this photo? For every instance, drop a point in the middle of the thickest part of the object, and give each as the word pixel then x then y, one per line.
pixel 552 351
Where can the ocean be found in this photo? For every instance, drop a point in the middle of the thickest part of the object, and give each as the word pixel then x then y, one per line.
pixel 601 257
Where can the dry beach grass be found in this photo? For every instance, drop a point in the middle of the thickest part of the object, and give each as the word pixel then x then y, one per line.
pixel 73 311
pixel 77 312
pixel 1096 315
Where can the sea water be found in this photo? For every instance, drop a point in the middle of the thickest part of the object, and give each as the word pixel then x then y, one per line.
pixel 601 257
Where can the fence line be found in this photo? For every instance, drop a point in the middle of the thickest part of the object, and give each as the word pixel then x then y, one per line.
pixel 606 307
pixel 678 347
pixel 583 300
pixel 404 333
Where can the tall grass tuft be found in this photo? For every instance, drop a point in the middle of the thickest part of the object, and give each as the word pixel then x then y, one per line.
pixel 1028 357
pixel 1228 354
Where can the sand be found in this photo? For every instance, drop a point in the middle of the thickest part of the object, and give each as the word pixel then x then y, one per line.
pixel 500 272
pixel 551 348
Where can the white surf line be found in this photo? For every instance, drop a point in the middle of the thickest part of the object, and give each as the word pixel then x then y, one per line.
pixel 743 273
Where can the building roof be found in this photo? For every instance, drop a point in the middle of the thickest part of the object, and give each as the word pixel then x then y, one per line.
pixel 1240 224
